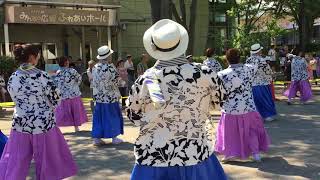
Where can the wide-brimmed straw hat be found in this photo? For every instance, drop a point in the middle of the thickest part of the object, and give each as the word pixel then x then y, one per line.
pixel 104 52
pixel 256 48
pixel 166 40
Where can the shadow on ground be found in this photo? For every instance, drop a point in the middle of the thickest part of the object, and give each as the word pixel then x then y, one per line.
pixel 279 166
pixel 100 162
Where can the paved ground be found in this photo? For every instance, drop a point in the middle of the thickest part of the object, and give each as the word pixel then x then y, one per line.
pixel 294 153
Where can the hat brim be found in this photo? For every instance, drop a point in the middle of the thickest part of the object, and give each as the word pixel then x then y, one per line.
pixel 256 51
pixel 159 55
pixel 105 56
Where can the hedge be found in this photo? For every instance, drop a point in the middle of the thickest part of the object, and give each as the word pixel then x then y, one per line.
pixel 7 66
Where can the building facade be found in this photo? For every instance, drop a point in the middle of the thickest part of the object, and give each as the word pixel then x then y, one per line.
pixel 78 28
pixel 59 28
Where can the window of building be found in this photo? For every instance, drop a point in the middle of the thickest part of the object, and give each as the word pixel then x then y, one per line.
pixel 220 17
pixel 3 49
pixel 50 51
pixel 223 33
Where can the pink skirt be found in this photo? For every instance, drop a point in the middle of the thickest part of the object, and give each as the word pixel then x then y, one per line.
pixel 241 136
pixel 303 87
pixel 71 112
pixel 49 150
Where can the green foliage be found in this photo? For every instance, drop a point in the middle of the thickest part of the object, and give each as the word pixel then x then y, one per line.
pixel 248 33
pixel 198 59
pixel 7 66
pixel 313 48
pixel 273 30
pixel 137 60
pixel 243 40
pixel 220 59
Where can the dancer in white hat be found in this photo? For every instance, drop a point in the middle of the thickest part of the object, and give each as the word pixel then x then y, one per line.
pixel 171 103
pixel 262 92
pixel 107 116
pixel 299 80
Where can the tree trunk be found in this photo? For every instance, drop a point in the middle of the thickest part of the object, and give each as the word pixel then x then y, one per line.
pixel 210 33
pixel 155 10
pixel 303 27
pixel 176 14
pixel 160 9
pixel 183 13
pixel 192 25
pixel 165 9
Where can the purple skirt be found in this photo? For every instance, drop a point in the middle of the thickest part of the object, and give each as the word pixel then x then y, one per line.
pixel 303 87
pixel 71 112
pixel 241 135
pixel 49 150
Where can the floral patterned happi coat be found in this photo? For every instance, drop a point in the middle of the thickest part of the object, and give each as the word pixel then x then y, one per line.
pixel 179 133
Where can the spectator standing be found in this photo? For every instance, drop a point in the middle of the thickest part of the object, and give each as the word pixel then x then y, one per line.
pixel 143 65
pixel 313 66
pixel 89 74
pixel 3 90
pixel 130 69
pixel 123 81
pixel 273 56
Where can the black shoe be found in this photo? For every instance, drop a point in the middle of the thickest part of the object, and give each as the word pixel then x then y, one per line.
pixel 289 103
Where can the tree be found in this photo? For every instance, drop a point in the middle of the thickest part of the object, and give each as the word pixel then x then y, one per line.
pixel 249 12
pixel 182 19
pixel 304 13
pixel 160 9
pixel 169 9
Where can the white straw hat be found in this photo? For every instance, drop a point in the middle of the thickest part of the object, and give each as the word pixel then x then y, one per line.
pixel 166 40
pixel 256 48
pixel 104 52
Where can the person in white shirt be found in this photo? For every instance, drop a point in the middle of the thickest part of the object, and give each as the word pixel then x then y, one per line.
pixel 273 56
pixel 130 69
pixel 89 74
pixel 89 71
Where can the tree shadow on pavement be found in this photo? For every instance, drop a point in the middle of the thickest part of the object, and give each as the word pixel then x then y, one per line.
pixel 103 162
pixel 279 166
pixel 79 134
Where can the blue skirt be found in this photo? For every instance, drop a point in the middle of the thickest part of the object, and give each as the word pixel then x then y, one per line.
pixel 107 120
pixel 262 96
pixel 207 170
pixel 3 140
